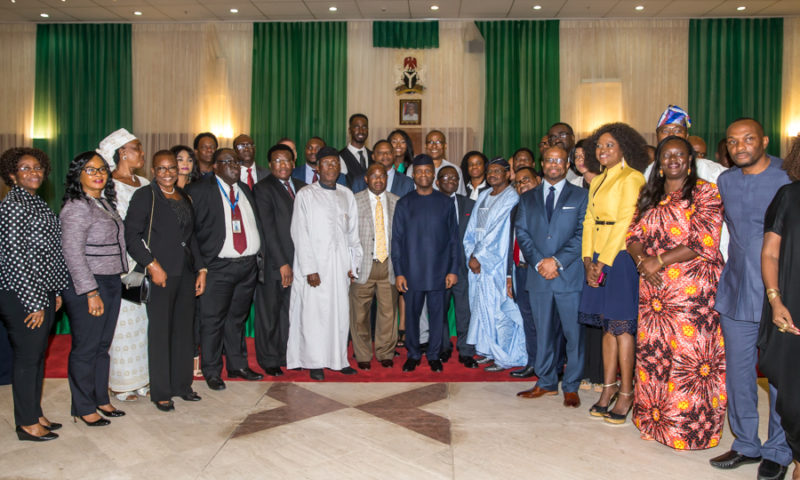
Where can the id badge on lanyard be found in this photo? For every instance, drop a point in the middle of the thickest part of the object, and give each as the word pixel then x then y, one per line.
pixel 236 226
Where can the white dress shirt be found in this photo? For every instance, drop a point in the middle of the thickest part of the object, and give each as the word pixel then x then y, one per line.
pixel 248 221
pixel 354 151
pixel 243 174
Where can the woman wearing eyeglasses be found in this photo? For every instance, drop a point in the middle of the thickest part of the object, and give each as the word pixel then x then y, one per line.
pixel 159 232
pixel 93 243
pixel 128 377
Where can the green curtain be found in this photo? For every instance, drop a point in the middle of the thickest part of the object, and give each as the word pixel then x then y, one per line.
pixel 299 84
pixel 735 70
pixel 405 34
pixel 83 92
pixel 522 83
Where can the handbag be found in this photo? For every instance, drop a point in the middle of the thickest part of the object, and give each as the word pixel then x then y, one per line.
pixel 135 284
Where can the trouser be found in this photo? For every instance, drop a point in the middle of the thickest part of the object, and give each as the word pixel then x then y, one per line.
pixel 460 295
pixel 741 355
pixel 224 308
pixel 414 302
pixel 523 299
pixel 29 346
pixel 271 323
pixel 551 310
pixel 361 295
pixel 170 343
pixel 91 338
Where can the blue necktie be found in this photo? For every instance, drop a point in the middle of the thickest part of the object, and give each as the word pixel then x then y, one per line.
pixel 548 203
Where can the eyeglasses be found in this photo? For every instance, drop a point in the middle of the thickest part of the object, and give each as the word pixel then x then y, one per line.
pixel 559 135
pixel 449 178
pixel 27 169
pixel 435 142
pixel 552 160
pixel 242 146
pixel 92 171
pixel 162 170
pixel 234 161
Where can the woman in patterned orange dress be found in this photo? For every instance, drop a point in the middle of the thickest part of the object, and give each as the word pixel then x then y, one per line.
pixel 680 359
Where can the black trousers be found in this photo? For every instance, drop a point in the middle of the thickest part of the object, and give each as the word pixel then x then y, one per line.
pixel 271 323
pixel 28 347
pixel 593 346
pixel 91 339
pixel 224 308
pixel 460 295
pixel 414 302
pixel 170 343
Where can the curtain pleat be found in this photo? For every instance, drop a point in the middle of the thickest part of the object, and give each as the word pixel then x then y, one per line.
pixel 791 72
pixel 735 70
pixel 522 83
pixel 405 34
pixel 299 83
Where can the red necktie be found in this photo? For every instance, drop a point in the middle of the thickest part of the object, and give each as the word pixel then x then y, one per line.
pixel 289 188
pixel 250 178
pixel 316 178
pixel 239 238
pixel 516 252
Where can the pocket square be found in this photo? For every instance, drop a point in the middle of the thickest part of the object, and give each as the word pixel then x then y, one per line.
pixel 568 208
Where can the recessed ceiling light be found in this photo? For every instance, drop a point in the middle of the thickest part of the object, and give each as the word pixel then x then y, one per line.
pixel 234 10
pixel 137 13
pixel 434 7
pixel 44 15
pixel 537 7
pixel 332 9
pixel 640 7
pixel 740 8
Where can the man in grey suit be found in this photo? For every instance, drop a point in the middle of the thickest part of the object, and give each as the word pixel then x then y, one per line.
pixel 549 229
pixel 375 274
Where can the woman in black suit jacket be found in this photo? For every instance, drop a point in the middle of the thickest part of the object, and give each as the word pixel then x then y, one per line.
pixel 171 261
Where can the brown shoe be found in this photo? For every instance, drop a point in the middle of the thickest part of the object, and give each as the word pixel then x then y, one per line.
pixel 571 399
pixel 536 392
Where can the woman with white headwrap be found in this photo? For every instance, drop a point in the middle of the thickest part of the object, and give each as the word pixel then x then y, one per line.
pixel 128 376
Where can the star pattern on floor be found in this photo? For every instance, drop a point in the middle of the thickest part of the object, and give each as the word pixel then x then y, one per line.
pixel 402 409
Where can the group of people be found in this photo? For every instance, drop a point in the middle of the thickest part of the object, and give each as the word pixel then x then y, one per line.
pixel 653 273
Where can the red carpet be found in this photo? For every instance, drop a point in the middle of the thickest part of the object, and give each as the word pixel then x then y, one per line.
pixel 56 367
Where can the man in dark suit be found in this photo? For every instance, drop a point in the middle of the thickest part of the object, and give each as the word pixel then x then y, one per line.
pixel 447 182
pixel 274 196
pixel 308 173
pixel 250 173
pixel 229 237
pixel 425 259
pixel 549 230
pixel 395 183
pixel 205 144
pixel 355 157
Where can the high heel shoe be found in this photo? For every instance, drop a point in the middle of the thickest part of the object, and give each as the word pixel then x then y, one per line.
pixel 23 435
pixel 112 414
pixel 619 418
pixel 100 422
pixel 53 426
pixel 598 410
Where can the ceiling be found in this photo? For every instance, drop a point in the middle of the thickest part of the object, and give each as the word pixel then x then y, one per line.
pixel 263 10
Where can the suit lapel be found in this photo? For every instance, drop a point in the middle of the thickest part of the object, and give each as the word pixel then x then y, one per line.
pixel 562 199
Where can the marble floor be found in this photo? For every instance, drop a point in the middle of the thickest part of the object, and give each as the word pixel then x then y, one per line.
pixel 264 430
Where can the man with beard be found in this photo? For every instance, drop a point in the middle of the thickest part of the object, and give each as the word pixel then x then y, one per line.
pixel 246 151
pixel 355 157
pixel 205 144
pixel 308 173
pixel 746 193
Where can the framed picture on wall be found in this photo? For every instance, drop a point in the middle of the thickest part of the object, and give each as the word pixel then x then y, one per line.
pixel 410 112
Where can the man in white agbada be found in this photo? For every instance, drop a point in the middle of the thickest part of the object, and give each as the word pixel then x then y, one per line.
pixel 326 252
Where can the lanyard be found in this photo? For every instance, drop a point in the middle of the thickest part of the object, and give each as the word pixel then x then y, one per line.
pixel 227 197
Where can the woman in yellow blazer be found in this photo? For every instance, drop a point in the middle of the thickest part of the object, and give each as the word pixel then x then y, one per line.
pixel 610 297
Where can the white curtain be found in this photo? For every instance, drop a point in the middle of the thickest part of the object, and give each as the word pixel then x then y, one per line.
pixel 18 62
pixel 648 58
pixel 453 76
pixel 791 76
pixel 190 78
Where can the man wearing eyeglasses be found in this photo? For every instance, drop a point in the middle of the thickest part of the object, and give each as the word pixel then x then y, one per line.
pixel 436 148
pixel 250 173
pixel 229 236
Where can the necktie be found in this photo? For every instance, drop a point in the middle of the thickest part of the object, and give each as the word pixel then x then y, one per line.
pixel 288 188
pixel 380 232
pixel 361 159
pixel 239 238
pixel 516 252
pixel 548 203
pixel 250 181
pixel 316 178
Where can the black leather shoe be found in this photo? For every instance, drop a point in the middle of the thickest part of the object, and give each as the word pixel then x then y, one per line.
pixel 410 365
pixel 23 435
pixel 165 407
pixel 436 365
pixel 732 459
pixel 526 372
pixel 215 383
pixel 245 373
pixel 349 371
pixel 493 368
pixel 192 397
pixel 273 371
pixel 364 365
pixel 53 426
pixel 316 374
pixel 100 422
pixel 387 363
pixel 445 355
pixel 468 362
pixel 112 414
pixel 769 470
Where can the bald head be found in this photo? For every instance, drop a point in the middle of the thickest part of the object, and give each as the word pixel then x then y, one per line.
pixel 699 146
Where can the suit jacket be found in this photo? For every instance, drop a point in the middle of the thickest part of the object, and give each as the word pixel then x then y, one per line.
pixel 560 237
pixel 401 184
pixel 366 232
pixel 354 168
pixel 300 174
pixel 465 206
pixel 275 209
pixel 209 216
